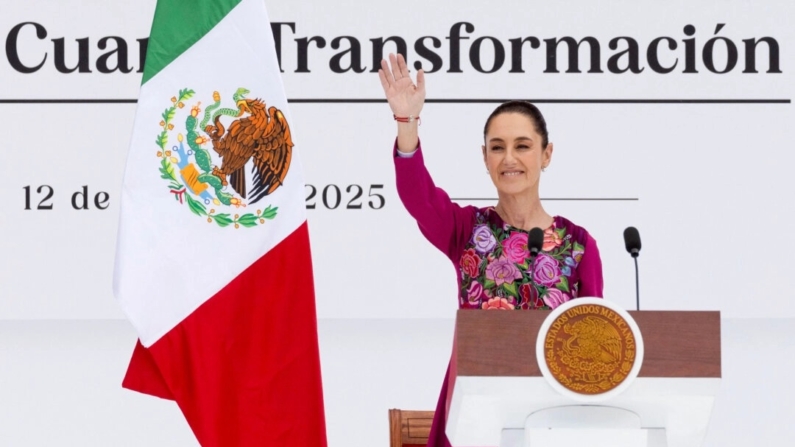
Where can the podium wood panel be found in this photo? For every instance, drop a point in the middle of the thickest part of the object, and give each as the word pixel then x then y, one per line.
pixel 502 343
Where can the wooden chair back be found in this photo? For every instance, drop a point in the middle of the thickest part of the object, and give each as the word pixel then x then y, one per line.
pixel 409 428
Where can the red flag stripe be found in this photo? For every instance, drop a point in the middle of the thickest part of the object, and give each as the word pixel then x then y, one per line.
pixel 244 367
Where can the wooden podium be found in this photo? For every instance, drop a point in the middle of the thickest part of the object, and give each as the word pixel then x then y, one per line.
pixel 496 390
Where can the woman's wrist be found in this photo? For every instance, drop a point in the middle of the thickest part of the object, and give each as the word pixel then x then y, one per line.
pixel 410 126
pixel 407 131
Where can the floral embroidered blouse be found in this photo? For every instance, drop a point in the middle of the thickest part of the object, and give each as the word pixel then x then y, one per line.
pixel 491 257
pixel 497 272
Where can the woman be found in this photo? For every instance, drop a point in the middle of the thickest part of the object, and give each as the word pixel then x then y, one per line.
pixel 488 246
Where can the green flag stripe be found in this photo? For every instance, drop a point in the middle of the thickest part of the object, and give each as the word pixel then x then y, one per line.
pixel 177 25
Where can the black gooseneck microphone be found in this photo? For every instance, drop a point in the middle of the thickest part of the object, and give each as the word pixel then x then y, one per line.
pixel 535 240
pixel 632 243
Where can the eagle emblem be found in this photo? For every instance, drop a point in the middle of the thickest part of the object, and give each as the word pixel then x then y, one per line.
pixel 591 349
pixel 225 158
pixel 593 339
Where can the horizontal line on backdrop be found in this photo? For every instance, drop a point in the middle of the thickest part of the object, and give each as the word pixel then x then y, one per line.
pixel 554 101
pixel 437 101
pixel 572 199
pixel 68 101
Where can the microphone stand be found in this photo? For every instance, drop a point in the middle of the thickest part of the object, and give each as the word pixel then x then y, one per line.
pixel 637 283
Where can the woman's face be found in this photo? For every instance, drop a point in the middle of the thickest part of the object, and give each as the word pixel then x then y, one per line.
pixel 513 154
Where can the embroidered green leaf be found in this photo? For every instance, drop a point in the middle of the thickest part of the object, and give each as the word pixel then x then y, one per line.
pixel 168 114
pixel 185 94
pixel 563 284
pixel 561 252
pixel 578 247
pixel 270 212
pixel 511 289
pixel 561 232
pixel 175 185
pixel 162 140
pixel 247 220
pixel 195 206
pixel 484 264
pixel 167 170
pixel 489 284
pixel 222 220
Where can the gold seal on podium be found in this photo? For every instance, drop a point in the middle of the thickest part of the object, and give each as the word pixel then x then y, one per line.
pixel 590 347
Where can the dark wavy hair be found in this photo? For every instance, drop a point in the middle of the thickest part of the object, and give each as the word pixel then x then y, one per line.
pixel 523 108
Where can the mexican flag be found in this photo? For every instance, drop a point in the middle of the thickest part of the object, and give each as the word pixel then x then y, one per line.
pixel 213 265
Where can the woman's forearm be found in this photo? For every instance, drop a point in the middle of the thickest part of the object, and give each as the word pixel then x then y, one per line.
pixel 407 136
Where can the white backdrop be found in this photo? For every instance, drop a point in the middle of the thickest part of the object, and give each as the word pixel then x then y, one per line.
pixel 711 180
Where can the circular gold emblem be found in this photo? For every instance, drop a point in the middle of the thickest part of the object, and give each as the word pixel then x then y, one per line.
pixel 590 349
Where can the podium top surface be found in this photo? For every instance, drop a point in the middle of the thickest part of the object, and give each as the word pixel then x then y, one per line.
pixel 677 343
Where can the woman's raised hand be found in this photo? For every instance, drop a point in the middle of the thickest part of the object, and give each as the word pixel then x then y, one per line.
pixel 404 97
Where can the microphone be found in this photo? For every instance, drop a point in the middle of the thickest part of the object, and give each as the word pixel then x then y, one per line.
pixel 534 241
pixel 632 244
pixel 632 241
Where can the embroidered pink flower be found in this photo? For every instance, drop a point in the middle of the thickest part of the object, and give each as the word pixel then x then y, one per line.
pixel 530 298
pixel 483 239
pixel 470 262
pixel 551 239
pixel 547 271
pixel 515 247
pixel 474 293
pixel 554 298
pixel 502 271
pixel 497 303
